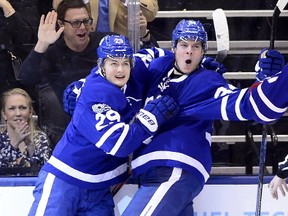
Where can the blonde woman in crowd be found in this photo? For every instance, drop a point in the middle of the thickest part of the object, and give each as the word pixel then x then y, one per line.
pixel 22 144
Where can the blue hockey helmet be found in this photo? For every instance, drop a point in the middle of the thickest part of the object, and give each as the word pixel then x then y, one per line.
pixel 112 46
pixel 189 29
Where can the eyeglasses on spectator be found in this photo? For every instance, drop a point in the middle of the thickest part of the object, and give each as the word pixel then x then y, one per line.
pixel 78 23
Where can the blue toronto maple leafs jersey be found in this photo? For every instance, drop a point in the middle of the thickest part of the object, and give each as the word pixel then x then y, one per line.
pixel 94 149
pixel 203 96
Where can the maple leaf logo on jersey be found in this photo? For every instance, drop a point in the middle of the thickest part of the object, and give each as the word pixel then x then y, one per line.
pixel 100 108
pixel 164 84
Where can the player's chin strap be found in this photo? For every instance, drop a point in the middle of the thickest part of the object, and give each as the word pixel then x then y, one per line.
pixel 101 71
pixel 177 72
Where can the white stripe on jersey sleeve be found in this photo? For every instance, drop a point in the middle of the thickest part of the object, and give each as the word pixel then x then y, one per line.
pixel 237 104
pixel 111 131
pixel 148 55
pixel 258 113
pixel 268 102
pixel 223 108
pixel 120 140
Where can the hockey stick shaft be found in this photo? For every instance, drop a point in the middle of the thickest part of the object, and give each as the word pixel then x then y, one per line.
pixel 277 11
pixel 263 146
pixel 262 159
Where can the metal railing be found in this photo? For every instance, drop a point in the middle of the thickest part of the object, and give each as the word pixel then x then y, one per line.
pixel 239 47
pixel 236 47
pixel 208 13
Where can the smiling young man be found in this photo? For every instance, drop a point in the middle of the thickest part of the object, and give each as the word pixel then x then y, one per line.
pixel 93 152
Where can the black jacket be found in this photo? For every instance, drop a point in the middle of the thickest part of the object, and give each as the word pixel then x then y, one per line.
pixel 52 72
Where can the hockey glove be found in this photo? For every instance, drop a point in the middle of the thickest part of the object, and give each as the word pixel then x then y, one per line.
pixel 70 96
pixel 269 63
pixel 157 112
pixel 210 64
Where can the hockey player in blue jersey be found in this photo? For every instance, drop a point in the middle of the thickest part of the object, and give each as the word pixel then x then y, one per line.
pixel 175 165
pixel 93 153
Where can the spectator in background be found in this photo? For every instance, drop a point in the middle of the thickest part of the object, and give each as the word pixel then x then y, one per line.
pixel 111 15
pixel 57 61
pixel 15 34
pixel 19 21
pixel 22 144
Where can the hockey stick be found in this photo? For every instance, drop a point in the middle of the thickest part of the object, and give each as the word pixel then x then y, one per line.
pixel 277 11
pixel 222 34
pixel 262 158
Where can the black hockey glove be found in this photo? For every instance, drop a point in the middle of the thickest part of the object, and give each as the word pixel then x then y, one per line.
pixel 157 112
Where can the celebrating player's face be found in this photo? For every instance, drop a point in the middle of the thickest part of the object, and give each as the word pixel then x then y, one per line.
pixel 188 55
pixel 117 70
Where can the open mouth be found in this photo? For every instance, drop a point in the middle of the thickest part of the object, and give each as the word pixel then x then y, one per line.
pixel 188 61
pixel 81 35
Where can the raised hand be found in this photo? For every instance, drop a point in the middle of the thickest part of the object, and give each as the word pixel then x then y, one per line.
pixel 21 133
pixel 47 33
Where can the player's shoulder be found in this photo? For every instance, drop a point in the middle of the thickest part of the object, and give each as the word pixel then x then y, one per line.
pixel 166 61
pixel 98 85
pixel 209 74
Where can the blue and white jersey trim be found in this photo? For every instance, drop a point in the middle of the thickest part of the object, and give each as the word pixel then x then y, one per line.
pixel 120 140
pixel 87 177
pixel 168 155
